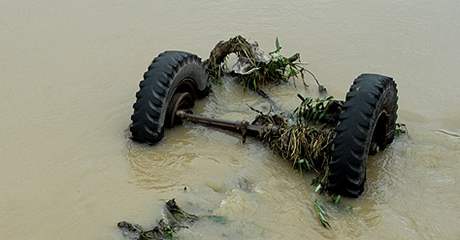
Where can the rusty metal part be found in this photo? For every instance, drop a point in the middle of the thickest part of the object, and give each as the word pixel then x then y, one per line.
pixel 180 101
pixel 179 110
pixel 242 127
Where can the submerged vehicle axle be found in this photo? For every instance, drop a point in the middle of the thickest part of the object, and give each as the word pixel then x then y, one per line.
pixel 365 124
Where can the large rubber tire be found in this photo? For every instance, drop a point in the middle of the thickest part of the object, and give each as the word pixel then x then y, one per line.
pixel 367 121
pixel 170 73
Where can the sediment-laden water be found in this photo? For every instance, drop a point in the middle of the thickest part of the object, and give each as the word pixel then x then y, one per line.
pixel 69 71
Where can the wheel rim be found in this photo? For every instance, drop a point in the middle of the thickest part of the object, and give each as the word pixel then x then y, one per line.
pixel 180 101
pixel 380 133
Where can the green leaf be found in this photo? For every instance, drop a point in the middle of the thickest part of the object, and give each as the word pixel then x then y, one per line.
pixel 318 188
pixel 277 44
pixel 217 219
pixel 287 72
pixel 322 215
pixel 337 199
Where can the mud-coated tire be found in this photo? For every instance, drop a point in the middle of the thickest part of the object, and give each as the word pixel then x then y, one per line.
pixel 368 119
pixel 170 73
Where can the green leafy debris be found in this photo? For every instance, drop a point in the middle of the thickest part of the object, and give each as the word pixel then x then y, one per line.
pixel 401 129
pixel 322 214
pixel 256 69
pixel 336 199
pixel 217 219
pixel 166 229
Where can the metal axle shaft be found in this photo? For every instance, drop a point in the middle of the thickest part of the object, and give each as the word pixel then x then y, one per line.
pixel 242 127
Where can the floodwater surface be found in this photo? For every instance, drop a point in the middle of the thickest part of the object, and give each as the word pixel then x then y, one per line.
pixel 69 71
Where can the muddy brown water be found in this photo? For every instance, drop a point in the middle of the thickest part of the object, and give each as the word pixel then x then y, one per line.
pixel 69 71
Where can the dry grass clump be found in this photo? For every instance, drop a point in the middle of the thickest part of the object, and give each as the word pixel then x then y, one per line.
pixel 305 139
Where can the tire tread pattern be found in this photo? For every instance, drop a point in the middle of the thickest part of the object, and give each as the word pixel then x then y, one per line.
pixel 367 96
pixel 154 89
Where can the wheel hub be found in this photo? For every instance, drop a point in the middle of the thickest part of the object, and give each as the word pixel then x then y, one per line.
pixel 180 101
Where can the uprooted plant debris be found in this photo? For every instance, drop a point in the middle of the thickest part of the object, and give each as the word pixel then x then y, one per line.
pixel 304 138
pixel 254 68
pixel 175 219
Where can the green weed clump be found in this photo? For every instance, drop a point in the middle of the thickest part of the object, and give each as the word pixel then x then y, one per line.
pixel 257 68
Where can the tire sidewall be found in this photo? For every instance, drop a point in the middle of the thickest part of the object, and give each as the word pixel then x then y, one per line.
pixel 186 73
pixel 384 106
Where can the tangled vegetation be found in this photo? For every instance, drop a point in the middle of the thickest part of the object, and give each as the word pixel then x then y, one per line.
pixel 175 219
pixel 304 139
pixel 255 69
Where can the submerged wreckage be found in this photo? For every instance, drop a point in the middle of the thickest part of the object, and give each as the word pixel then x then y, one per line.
pixel 331 137
pixel 175 219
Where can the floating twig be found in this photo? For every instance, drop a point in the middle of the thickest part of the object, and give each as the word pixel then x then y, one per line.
pixel 450 133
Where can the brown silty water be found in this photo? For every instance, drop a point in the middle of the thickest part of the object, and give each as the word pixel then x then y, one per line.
pixel 69 71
